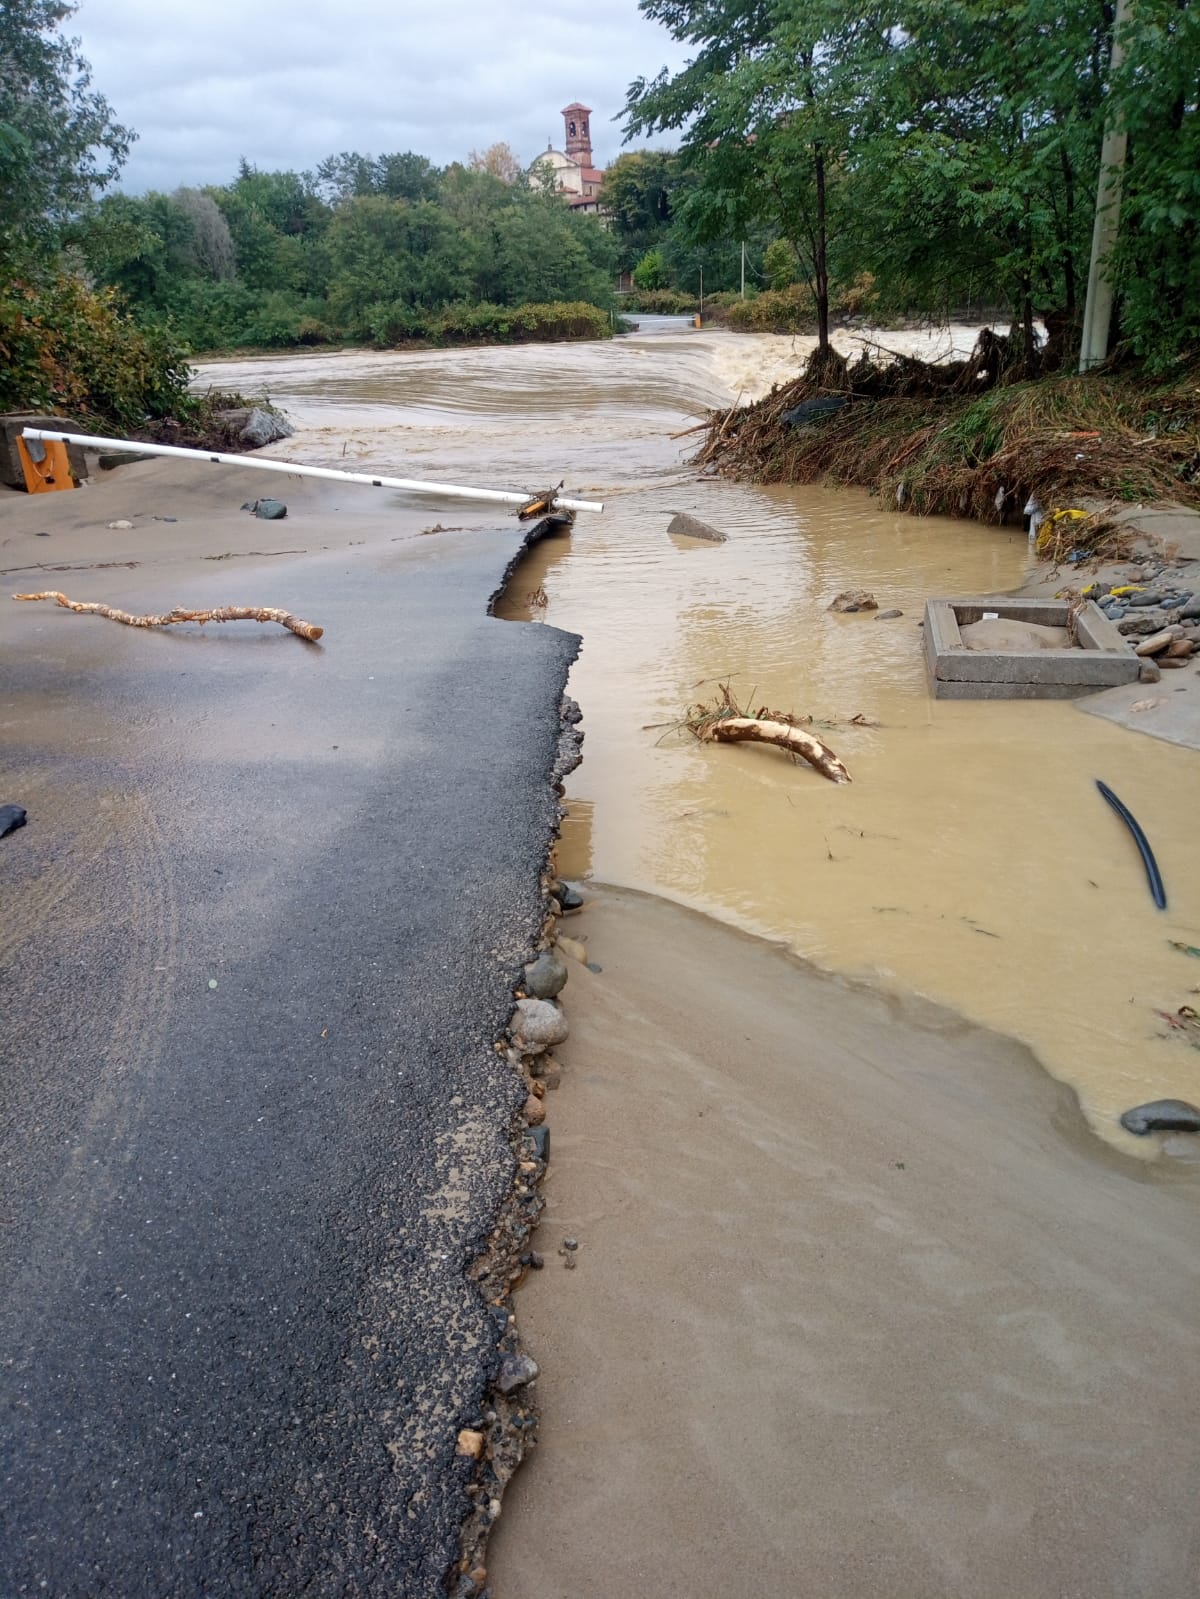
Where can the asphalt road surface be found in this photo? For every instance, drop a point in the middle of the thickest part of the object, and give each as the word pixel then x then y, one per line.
pixel 257 940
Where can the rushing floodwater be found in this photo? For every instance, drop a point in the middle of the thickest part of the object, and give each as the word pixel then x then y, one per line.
pixel 971 859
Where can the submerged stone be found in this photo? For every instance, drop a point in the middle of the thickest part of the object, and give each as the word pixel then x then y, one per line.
pixel 691 527
pixel 1162 1116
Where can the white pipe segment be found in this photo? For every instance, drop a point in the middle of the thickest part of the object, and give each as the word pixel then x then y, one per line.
pixel 449 490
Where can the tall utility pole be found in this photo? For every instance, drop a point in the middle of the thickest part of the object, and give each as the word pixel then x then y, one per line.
pixel 1097 315
pixel 743 269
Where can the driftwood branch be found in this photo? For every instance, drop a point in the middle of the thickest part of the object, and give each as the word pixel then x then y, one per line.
pixel 750 729
pixel 726 722
pixel 225 613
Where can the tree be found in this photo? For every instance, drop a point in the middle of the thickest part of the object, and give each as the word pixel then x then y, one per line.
pixel 636 198
pixel 983 133
pixel 210 248
pixel 650 273
pixel 59 142
pixel 768 106
pixel 405 176
pixel 387 257
pixel 499 160
pixel 1157 259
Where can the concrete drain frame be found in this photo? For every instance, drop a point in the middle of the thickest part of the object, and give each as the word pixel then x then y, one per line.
pixel 1102 659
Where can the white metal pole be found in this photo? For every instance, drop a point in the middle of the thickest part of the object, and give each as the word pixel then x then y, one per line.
pixel 743 269
pixel 414 486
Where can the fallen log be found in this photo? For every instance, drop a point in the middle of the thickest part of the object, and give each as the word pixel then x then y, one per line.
pixel 751 729
pixel 224 613
pixel 726 722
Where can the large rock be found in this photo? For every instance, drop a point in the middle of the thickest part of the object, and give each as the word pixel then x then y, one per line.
pixel 1162 1116
pixel 537 1025
pixel 254 426
pixel 690 527
pixel 265 427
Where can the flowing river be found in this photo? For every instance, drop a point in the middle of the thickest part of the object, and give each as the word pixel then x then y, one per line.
pixel 971 860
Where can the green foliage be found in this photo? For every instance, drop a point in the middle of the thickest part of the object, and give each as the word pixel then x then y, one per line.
pixel 637 196
pixel 482 323
pixel 65 347
pixel 790 310
pixel 496 324
pixel 59 142
pixel 659 302
pixel 1158 257
pixel 268 262
pixel 780 264
pixel 948 147
pixel 768 105
pixel 650 273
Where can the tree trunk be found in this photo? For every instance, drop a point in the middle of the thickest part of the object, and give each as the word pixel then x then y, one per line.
pixel 821 259
pixel 1069 289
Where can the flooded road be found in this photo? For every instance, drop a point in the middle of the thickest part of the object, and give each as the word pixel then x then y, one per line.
pixel 970 861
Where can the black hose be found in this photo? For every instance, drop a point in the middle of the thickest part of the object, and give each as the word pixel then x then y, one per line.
pixel 1142 842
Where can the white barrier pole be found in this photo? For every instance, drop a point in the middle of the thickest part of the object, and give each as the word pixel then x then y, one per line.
pixel 449 490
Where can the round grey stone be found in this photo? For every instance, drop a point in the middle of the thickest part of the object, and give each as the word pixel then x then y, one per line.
pixel 546 976
pixel 537 1025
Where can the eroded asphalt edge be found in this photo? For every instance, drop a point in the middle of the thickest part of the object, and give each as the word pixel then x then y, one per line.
pixel 238 1338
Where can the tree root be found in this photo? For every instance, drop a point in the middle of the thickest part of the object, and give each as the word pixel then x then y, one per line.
pixel 225 613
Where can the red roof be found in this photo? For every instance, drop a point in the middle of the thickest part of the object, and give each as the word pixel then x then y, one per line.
pixel 592 175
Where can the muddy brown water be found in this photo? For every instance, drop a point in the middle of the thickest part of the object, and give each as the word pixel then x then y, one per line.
pixel 971 860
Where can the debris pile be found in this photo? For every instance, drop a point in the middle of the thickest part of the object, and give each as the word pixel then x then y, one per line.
pixel 959 439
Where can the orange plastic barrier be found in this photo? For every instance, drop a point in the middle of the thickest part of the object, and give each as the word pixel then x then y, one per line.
pixel 52 472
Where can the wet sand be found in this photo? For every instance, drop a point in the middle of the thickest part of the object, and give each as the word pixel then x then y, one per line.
pixel 861 1307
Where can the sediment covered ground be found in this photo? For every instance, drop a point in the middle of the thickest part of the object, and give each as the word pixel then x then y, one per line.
pixel 859 1308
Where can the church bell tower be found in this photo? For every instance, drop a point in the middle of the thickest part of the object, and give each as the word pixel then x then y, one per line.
pixel 577 120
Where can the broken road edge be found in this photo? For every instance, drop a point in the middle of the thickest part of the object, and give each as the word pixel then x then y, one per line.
pixel 498 1439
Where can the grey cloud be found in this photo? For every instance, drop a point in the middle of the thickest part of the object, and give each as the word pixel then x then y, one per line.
pixel 286 84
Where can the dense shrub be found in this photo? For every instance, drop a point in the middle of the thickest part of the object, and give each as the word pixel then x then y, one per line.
pixel 790 310
pixel 488 324
pixel 658 302
pixel 66 347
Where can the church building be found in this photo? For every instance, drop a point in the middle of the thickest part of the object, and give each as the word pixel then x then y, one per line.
pixel 571 169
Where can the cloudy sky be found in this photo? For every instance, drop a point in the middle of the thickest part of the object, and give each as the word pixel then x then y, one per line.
pixel 284 84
